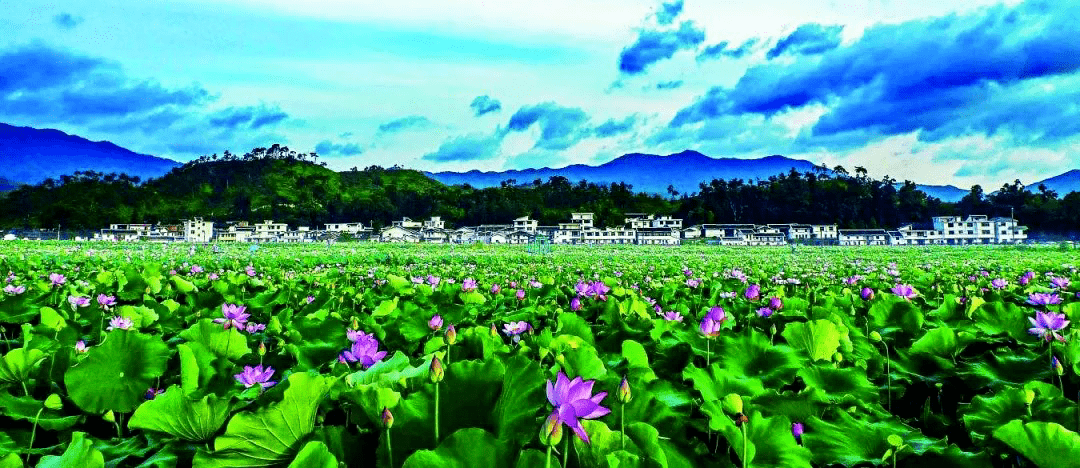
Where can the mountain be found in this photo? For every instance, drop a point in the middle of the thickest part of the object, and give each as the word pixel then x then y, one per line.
pixel 947 193
pixel 1062 184
pixel 7 185
pixel 645 172
pixel 31 155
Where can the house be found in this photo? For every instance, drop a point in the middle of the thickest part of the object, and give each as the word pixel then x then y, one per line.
pixel 525 224
pixel 794 232
pixel 237 231
pixel 920 234
pixel 435 222
pixel 123 232
pixel 408 223
pixel 691 232
pixel 435 235
pixel 356 229
pixel 824 232
pixel 300 234
pixel 197 230
pixel 398 233
pixel 657 236
pixel 1007 231
pixel 268 231
pixel 583 219
pixel 608 236
pixel 519 237
pixel 862 237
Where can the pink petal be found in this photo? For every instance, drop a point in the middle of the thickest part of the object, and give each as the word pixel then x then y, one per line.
pixel 581 391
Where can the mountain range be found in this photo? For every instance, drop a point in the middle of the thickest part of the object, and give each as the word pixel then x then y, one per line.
pixel 31 155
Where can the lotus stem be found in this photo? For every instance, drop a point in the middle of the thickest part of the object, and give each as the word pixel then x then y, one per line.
pixel 566 450
pixel 436 414
pixel 389 450
pixel 745 462
pixel 708 353
pixel 26 392
pixel 547 459
pixel 888 374
pixel 33 434
pixel 622 426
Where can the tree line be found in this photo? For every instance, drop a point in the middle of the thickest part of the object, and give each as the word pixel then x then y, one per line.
pixel 276 183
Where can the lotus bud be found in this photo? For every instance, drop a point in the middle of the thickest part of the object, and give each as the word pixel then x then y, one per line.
pixel 54 403
pixel 451 335
pixel 551 433
pixel 772 329
pixel 624 391
pixel 838 358
pixel 437 371
pixel 741 419
pixel 895 440
pixel 109 417
pixel 262 349
pixel 875 336
pixel 355 325
pixel 387 418
pixel 797 430
pixel 733 403
pixel 1029 396
pixel 1057 366
pixel 494 331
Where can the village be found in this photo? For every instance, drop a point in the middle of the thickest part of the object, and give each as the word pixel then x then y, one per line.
pixel 638 228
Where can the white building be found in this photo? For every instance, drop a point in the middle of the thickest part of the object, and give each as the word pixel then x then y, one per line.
pixel 863 237
pixel 525 224
pixel 407 223
pixel 197 230
pixel 123 232
pixel 268 231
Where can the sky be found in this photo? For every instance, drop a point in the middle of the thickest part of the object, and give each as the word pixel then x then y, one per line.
pixel 935 91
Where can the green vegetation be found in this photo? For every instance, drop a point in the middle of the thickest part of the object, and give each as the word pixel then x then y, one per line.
pixel 442 356
pixel 287 187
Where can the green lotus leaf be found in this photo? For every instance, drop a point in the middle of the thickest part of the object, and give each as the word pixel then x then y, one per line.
pixel 27 409
pixel 1044 443
pixel 466 448
pixel 532 458
pixel 572 324
pixel 270 436
pixel 832 385
pixel 19 363
pixel 987 413
pixel 315 454
pixel 996 318
pixel 893 311
pixel 115 375
pixel 178 415
pixel 80 452
pixel 819 338
pixel 386 307
pixel 217 339
pixel 850 440
pixel 602 442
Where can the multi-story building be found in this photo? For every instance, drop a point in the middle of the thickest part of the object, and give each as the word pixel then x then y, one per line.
pixel 525 224
pixel 197 230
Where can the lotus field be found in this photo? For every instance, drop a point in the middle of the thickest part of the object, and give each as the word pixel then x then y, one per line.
pixel 482 356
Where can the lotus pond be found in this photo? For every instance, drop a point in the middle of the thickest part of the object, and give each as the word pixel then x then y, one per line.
pixel 481 356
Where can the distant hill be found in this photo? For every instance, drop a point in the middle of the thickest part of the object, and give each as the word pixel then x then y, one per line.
pixel 1062 184
pixel 31 155
pixel 948 193
pixel 645 172
pixel 7 185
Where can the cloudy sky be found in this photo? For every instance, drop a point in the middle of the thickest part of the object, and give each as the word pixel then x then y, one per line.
pixel 937 91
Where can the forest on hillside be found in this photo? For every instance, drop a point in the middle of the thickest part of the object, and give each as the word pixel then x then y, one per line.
pixel 275 183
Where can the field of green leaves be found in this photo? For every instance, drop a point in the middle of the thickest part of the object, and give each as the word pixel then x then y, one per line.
pixel 480 356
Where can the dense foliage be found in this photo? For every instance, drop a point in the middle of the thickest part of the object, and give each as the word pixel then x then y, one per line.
pixel 443 356
pixel 282 185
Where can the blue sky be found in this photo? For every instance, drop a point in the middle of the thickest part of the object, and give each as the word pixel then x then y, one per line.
pixel 936 91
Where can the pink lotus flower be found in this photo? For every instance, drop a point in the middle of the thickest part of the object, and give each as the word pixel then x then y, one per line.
pixel 710 324
pixel 573 401
pixel 234 316
pixel 999 283
pixel 575 304
pixel 435 323
pixel 867 294
pixel 14 290
pixel 78 301
pixel 469 285
pixel 516 328
pixel 1043 299
pixel 57 279
pixel 752 292
pixel 80 346
pixel 1047 325
pixel 365 350
pixel 905 291
pixel 672 316
pixel 256 376
pixel 520 294
pixel 122 323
